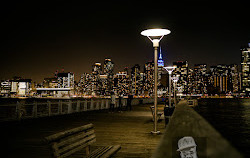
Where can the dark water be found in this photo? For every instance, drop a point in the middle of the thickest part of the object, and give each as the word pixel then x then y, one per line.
pixel 231 117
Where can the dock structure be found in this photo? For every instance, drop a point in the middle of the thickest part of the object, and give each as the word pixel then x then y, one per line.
pixel 130 129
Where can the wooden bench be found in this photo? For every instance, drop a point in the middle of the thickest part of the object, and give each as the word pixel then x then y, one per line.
pixel 68 142
pixel 158 116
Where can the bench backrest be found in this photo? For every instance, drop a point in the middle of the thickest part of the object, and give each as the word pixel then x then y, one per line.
pixel 68 142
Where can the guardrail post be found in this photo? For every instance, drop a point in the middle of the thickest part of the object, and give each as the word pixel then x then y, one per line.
pixel 97 105
pixel 78 106
pixel 123 102
pixel 34 112
pixel 49 108
pixel 18 110
pixel 60 107
pixel 116 103
pixel 70 107
pixel 107 104
pixel 102 104
pixel 92 105
pixel 85 105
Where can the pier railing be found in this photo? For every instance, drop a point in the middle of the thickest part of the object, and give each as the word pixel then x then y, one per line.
pixel 185 122
pixel 35 109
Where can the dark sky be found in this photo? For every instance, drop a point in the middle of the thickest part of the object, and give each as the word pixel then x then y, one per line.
pixel 41 37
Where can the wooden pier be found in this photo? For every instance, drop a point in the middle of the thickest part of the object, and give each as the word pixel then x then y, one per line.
pixel 130 129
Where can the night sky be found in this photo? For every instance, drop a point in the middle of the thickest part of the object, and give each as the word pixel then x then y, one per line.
pixel 40 38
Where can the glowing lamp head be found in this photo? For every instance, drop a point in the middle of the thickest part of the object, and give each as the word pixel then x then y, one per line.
pixel 155 32
pixel 175 79
pixel 155 35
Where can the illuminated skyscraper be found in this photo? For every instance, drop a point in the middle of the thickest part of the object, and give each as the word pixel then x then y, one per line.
pixel 108 70
pixel 224 78
pixel 65 80
pixel 219 74
pixel 245 69
pixel 181 70
pixel 85 84
pixel 97 69
pixel 95 80
pixel 5 87
pixel 122 83
pixel 200 82
pixel 136 78
pixel 108 67
pixel 234 79
pixel 161 70
pixel 160 61
pixel 103 85
pixel 149 78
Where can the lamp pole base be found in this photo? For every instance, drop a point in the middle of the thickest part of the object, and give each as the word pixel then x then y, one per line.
pixel 155 132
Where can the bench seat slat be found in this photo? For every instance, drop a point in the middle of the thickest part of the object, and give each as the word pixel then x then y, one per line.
pixel 75 138
pixel 95 152
pixel 99 152
pixel 80 142
pixel 77 149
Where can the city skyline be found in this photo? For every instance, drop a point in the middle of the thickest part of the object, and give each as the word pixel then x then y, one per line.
pixel 129 70
pixel 200 80
pixel 42 38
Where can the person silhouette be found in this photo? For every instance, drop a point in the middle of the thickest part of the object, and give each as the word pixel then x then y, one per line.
pixel 120 103
pixel 129 100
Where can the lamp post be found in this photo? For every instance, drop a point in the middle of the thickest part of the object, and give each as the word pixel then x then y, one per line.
pixel 175 80
pixel 170 69
pixel 155 35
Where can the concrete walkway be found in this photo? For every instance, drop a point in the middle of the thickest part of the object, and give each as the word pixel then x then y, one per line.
pixel 130 129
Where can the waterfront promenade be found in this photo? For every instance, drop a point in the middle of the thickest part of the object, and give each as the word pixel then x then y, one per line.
pixel 130 129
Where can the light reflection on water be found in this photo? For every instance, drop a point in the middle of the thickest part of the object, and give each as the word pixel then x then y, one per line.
pixel 231 117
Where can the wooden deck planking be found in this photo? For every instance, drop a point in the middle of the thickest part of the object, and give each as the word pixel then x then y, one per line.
pixel 130 129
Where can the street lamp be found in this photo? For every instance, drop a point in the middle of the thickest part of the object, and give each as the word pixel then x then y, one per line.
pixel 155 35
pixel 170 69
pixel 175 80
